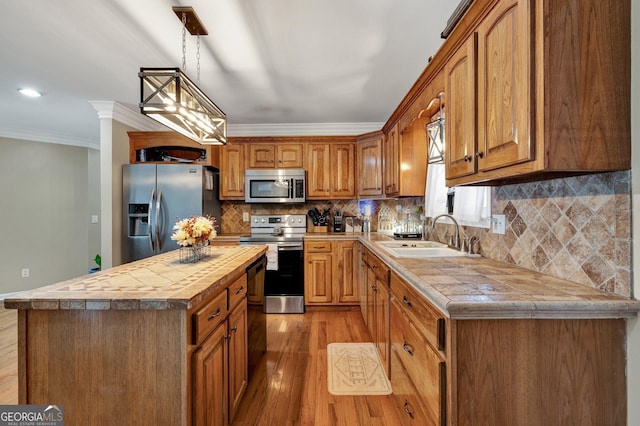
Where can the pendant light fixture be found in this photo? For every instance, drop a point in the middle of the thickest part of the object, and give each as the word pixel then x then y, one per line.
pixel 168 96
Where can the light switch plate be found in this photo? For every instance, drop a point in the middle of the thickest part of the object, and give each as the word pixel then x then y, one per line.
pixel 25 272
pixel 498 224
pixel 245 216
pixel 94 218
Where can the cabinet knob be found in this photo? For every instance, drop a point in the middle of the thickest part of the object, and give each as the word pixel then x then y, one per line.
pixel 479 154
pixel 234 328
pixel 240 290
pixel 467 158
pixel 406 301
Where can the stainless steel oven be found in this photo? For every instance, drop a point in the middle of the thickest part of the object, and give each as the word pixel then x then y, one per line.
pixel 284 276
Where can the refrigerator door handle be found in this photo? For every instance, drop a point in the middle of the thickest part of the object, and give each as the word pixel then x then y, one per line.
pixel 149 220
pixel 159 226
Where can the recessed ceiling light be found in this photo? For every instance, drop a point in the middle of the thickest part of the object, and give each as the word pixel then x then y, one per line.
pixel 30 93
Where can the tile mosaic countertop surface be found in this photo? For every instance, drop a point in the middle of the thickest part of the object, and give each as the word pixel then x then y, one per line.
pixel 158 282
pixel 475 287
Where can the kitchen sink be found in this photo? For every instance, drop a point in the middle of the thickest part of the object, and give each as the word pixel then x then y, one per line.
pixel 418 249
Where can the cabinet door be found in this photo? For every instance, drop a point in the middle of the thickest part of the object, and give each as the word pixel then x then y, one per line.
pixel 262 156
pixel 342 170
pixel 210 380
pixel 232 172
pixel 370 318
pixel 318 278
pixel 370 163
pixel 460 118
pixel 383 334
pixel 391 159
pixel 238 363
pixel 419 364
pixel 290 156
pixel 318 182
pixel 346 273
pixel 504 86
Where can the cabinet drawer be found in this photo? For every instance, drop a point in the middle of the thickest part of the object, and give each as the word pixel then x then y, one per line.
pixel 237 291
pixel 423 365
pixel 426 318
pixel 317 247
pixel 380 269
pixel 209 316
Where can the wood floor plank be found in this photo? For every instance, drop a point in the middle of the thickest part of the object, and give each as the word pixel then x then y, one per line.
pixel 309 401
pixel 8 356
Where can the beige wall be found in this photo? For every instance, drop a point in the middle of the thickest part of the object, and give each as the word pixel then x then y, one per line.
pixel 44 212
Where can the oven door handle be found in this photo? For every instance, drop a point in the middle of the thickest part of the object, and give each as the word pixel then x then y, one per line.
pixel 289 247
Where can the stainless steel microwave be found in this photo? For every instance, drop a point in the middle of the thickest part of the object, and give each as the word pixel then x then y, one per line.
pixel 274 186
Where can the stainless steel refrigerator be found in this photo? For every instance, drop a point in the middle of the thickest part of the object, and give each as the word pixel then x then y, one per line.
pixel 154 196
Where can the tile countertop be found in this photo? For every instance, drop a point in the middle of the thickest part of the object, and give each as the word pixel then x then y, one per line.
pixel 158 282
pixel 480 288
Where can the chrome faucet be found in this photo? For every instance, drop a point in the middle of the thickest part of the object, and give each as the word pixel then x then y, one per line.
pixel 456 241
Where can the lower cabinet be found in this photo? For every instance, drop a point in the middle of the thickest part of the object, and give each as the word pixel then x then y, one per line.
pixel 330 273
pixel 377 302
pixel 420 367
pixel 219 361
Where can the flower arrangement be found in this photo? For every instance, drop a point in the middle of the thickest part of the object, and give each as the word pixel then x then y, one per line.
pixel 194 231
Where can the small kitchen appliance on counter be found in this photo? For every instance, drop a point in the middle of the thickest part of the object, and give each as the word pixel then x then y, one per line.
pixel 337 221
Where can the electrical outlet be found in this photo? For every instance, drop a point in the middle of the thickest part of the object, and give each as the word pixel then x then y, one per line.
pixel 25 272
pixel 245 216
pixel 94 218
pixel 499 224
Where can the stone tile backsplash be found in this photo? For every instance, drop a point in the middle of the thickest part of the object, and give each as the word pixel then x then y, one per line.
pixel 576 228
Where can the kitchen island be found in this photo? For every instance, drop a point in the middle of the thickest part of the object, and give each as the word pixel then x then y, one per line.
pixel 147 342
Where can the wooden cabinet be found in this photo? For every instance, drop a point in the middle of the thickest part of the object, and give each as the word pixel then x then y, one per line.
pixel 318 273
pixel 391 162
pixel 219 361
pixel 210 379
pixel 369 160
pixel 378 300
pixel 238 353
pixel 152 147
pixel 331 273
pixel 419 359
pixel 541 113
pixel 280 155
pixel 331 171
pixel 405 159
pixel 232 167
pixel 460 123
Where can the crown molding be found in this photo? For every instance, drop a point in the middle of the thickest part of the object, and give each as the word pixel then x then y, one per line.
pixel 302 129
pixel 49 137
pixel 125 115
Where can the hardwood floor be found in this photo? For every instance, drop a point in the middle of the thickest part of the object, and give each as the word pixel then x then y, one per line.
pixel 8 356
pixel 289 386
pixel 290 383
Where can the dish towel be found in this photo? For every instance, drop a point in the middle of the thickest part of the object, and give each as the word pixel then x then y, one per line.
pixel 272 257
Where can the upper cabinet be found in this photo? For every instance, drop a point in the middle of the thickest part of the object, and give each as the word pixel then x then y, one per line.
pixel 391 162
pixel 232 167
pixel 553 91
pixel 280 156
pixel 370 165
pixel 331 170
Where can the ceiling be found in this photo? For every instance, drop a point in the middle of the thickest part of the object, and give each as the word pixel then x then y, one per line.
pixel 264 62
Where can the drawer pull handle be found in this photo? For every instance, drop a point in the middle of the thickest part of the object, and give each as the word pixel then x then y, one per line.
pixel 240 290
pixel 406 408
pixel 407 348
pixel 217 314
pixel 318 247
pixel 406 301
